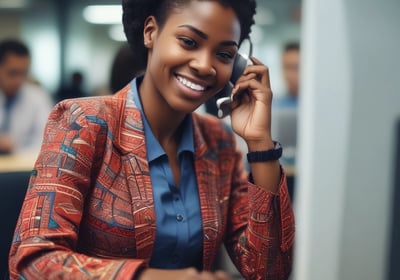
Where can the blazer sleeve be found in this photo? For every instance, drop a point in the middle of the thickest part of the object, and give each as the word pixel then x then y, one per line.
pixel 46 235
pixel 260 233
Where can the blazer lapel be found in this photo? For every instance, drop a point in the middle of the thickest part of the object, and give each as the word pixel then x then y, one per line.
pixel 205 168
pixel 130 140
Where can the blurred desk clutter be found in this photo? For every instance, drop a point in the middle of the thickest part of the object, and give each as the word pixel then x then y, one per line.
pixel 284 128
pixel 17 162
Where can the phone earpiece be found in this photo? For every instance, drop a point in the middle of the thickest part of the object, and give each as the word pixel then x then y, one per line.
pixel 239 65
pixel 223 105
pixel 223 97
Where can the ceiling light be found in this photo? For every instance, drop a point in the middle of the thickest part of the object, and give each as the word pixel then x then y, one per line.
pixel 265 16
pixel 103 14
pixel 116 32
pixel 13 4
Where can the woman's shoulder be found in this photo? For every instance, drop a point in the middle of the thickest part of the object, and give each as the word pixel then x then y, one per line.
pixel 95 105
pixel 211 127
pixel 96 110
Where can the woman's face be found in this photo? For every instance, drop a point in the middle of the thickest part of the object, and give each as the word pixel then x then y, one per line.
pixel 191 56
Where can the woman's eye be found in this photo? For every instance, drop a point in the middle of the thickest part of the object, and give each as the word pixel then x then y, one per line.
pixel 188 42
pixel 225 56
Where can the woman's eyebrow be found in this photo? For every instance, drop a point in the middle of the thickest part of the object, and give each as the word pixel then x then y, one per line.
pixel 205 36
pixel 195 30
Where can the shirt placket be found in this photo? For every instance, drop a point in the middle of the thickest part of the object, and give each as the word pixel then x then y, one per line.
pixel 182 228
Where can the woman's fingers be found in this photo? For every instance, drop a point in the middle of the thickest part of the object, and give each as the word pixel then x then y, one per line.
pixel 251 88
pixel 261 70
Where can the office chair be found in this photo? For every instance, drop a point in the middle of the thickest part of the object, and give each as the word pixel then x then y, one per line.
pixel 13 187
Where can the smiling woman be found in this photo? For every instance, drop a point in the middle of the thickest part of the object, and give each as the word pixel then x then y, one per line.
pixel 137 185
pixel 187 70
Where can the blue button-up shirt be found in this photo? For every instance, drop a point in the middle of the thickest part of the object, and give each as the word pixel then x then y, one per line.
pixel 179 242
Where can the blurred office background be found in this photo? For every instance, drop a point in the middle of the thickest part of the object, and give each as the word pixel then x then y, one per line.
pixel 63 40
pixel 348 162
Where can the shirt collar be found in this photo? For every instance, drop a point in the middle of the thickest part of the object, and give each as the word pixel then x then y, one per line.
pixel 186 143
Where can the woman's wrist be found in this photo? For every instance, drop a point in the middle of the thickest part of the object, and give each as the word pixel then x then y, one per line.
pixel 265 155
pixel 260 145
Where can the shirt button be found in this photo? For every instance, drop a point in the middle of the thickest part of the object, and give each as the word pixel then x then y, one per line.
pixel 179 218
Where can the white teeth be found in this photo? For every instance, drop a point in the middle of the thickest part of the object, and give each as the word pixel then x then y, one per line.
pixel 189 84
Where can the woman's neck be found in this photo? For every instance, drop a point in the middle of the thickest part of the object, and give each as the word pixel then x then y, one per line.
pixel 163 120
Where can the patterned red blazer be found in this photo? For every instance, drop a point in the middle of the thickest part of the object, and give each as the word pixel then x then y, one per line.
pixel 89 211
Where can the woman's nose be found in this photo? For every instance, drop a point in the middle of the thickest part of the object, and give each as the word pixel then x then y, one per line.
pixel 202 63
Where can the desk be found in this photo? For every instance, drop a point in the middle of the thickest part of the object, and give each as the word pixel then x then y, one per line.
pixel 17 162
pixel 290 170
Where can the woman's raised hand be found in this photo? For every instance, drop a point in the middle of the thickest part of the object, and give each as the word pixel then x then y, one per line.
pixel 252 97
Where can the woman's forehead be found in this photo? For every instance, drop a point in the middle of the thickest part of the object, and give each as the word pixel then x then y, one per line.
pixel 208 16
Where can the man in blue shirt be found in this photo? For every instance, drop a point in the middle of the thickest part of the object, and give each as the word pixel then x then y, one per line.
pixel 290 64
pixel 284 111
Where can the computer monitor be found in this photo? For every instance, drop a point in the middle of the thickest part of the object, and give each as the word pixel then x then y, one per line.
pixel 284 130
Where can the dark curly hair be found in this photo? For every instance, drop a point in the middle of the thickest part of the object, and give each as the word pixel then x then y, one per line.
pixel 12 46
pixel 135 13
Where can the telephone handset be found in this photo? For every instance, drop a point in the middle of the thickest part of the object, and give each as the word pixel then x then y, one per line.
pixel 224 96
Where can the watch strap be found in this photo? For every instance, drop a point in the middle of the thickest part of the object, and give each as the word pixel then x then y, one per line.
pixel 265 156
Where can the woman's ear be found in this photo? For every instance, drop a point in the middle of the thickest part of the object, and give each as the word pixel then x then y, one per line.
pixel 149 31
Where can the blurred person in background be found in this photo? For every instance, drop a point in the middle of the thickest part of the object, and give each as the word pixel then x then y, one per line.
pixel 24 106
pixel 291 66
pixel 123 69
pixel 284 111
pixel 74 89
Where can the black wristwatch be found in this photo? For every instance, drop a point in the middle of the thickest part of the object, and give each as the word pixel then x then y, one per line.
pixel 265 156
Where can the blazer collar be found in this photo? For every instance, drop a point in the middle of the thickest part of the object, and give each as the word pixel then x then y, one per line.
pixel 130 130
